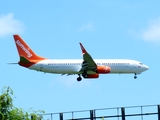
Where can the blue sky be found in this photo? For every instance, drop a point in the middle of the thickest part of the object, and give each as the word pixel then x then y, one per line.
pixel 107 29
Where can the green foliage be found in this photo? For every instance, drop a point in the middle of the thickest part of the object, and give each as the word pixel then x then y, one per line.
pixel 1 116
pixel 9 112
pixel 102 118
pixel 35 115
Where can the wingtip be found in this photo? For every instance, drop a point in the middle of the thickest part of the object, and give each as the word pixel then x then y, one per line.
pixel 80 43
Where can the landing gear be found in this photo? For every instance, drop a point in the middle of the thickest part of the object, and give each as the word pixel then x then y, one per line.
pixel 85 74
pixel 135 77
pixel 79 78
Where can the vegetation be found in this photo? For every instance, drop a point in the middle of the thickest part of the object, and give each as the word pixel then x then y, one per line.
pixel 9 112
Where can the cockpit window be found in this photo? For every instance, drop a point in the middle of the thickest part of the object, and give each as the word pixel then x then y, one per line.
pixel 141 63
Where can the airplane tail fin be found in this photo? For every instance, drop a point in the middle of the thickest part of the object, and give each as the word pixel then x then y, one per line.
pixel 24 51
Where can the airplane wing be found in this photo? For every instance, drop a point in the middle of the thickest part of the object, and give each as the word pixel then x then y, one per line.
pixel 88 62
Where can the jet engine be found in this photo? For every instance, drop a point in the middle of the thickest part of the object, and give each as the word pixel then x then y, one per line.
pixel 103 69
pixel 91 76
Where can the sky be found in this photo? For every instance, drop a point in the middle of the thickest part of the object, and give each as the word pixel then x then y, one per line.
pixel 117 29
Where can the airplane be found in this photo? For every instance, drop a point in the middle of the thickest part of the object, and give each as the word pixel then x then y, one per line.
pixel 86 67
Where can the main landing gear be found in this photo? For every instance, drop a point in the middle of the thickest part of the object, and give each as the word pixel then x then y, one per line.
pixel 135 76
pixel 79 78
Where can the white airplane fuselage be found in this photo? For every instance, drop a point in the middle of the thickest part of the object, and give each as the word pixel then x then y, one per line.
pixel 73 66
pixel 86 67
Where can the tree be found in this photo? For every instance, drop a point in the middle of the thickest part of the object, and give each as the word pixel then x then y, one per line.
pixel 9 112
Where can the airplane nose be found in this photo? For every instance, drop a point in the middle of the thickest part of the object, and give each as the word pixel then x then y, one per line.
pixel 146 67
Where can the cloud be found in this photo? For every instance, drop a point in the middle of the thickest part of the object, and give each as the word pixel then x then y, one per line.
pixel 9 25
pixel 87 27
pixel 152 33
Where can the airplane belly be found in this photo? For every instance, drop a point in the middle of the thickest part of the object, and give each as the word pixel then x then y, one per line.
pixel 57 69
pixel 63 69
pixel 121 69
pixel 126 69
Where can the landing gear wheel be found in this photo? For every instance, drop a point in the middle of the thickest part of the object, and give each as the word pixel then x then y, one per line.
pixel 79 79
pixel 135 77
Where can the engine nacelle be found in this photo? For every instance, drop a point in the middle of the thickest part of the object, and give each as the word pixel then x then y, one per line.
pixel 91 76
pixel 103 69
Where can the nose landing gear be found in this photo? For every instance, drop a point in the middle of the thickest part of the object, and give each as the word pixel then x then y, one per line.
pixel 135 76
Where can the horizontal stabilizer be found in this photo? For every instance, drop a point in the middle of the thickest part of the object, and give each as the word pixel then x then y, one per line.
pixel 12 63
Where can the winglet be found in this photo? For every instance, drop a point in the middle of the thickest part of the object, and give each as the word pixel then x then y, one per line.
pixel 83 49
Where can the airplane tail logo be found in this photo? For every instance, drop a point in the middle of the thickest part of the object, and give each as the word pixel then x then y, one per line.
pixel 24 50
